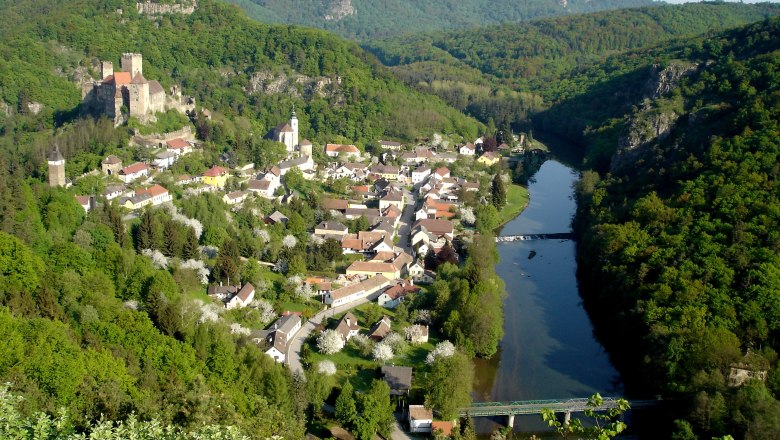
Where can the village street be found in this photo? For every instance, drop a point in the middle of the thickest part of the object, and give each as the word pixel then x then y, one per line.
pixel 405 224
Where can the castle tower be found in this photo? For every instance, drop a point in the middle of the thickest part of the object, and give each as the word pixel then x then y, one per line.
pixel 294 126
pixel 56 168
pixel 133 63
pixel 306 147
pixel 139 96
pixel 107 69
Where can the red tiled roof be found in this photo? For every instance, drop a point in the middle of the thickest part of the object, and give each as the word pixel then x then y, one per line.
pixel 155 190
pixel 83 200
pixel 214 172
pixel 134 168
pixel 122 78
pixel 177 143
pixel 338 148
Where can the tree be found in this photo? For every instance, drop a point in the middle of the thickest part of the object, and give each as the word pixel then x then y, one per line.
pixel 604 426
pixel 190 247
pixel 487 218
pixel 345 408
pixel 446 255
pixel 330 341
pixel 382 352
pixel 145 232
pixel 375 412
pixel 449 384
pixel 498 193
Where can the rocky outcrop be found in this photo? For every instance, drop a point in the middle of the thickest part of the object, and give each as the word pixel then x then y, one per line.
pixel 185 7
pixel 663 80
pixel 297 85
pixel 651 122
pixel 339 9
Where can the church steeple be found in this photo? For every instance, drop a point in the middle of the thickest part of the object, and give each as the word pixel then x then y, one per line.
pixel 294 126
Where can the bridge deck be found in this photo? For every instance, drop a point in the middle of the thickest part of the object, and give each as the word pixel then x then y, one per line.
pixel 484 409
pixel 525 237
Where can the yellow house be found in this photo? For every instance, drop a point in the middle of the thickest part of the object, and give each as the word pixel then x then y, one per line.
pixel 371 268
pixel 489 158
pixel 216 177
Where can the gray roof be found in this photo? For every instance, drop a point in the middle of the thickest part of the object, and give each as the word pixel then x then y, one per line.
pixel 55 154
pixel 398 378
pixel 285 324
pixel 155 88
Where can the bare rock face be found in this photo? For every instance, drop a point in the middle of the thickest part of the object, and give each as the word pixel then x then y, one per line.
pixel 663 81
pixel 339 9
pixel 34 107
pixel 296 85
pixel 185 7
pixel 649 124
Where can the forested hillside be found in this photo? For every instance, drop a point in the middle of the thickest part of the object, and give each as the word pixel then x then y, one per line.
pixel 220 57
pixel 94 329
pixel 679 235
pixel 365 19
pixel 508 73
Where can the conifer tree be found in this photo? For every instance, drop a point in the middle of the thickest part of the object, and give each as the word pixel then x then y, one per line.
pixel 498 193
pixel 346 411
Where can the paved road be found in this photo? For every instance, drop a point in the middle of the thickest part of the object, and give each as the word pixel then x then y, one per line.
pixel 294 348
pixel 405 224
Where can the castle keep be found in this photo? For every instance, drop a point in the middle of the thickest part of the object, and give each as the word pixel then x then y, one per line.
pixel 122 94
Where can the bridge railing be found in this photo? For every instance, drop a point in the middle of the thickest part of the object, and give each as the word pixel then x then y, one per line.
pixel 483 409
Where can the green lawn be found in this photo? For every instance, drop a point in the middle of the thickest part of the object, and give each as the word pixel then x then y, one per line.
pixel 516 200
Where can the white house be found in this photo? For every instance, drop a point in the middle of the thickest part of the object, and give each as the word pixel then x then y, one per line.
pixel 468 149
pixel 264 188
pixel 303 163
pixel 115 191
pixel 356 291
pixel 348 326
pixel 133 172
pixel 242 298
pixel 178 146
pixel 280 334
pixel 235 197
pixel 333 150
pixel 156 193
pixel 164 160
pixel 419 174
pixel 420 419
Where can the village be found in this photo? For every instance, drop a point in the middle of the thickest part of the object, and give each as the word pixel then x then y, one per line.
pixel 401 208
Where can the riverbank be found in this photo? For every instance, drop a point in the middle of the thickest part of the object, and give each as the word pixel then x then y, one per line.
pixel 517 198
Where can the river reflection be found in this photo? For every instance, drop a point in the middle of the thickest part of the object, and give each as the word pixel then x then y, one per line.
pixel 548 350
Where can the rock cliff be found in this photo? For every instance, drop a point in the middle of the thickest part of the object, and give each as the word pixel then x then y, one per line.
pixel 339 9
pixel 297 85
pixel 152 8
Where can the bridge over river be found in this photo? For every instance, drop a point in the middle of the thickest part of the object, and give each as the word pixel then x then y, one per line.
pixel 559 406
pixel 525 237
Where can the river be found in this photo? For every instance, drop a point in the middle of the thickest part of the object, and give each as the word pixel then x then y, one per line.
pixel 548 350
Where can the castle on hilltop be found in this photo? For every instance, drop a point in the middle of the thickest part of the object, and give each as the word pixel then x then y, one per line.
pixel 123 94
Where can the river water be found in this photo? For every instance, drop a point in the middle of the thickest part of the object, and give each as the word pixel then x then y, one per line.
pixel 548 350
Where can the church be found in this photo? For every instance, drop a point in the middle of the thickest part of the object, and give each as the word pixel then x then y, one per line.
pixel 287 133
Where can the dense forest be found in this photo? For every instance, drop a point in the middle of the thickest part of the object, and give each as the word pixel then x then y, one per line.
pixel 366 19
pixel 509 73
pixel 679 230
pixel 217 55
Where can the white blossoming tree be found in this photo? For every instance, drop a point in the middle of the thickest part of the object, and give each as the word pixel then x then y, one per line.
pixel 467 216
pixel 382 352
pixel 395 341
pixel 199 267
pixel 330 342
pixel 266 309
pixel 289 241
pixel 159 260
pixel 238 329
pixel 442 349
pixel 326 367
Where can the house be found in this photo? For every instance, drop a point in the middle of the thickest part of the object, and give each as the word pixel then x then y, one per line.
pixel 235 197
pixel 418 334
pixel 247 170
pixel 387 263
pixel 416 270
pixel 370 214
pixel 133 172
pixel 276 217
pixel 392 198
pixel 467 149
pixel 390 145
pixel 303 163
pixel 280 334
pixel 215 177
pixel 178 146
pixel 434 209
pixel 333 150
pixel 347 326
pixel 441 173
pixel 263 188
pixel 437 227
pixel 420 419
pixel 395 294
pixel 446 157
pixel 356 291
pixel 321 286
pixel 242 298
pixel 381 329
pixel 136 201
pixel 420 174
pixel 164 160
pixel 186 179
pixel 158 194
pixel 331 229
pixel 490 158
pixel 86 202
pixel 399 379
pixel 479 142
pixel 335 204
pixel 220 292
pixel 418 156
pixel 111 165
pixel 114 191
pixel 389 172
